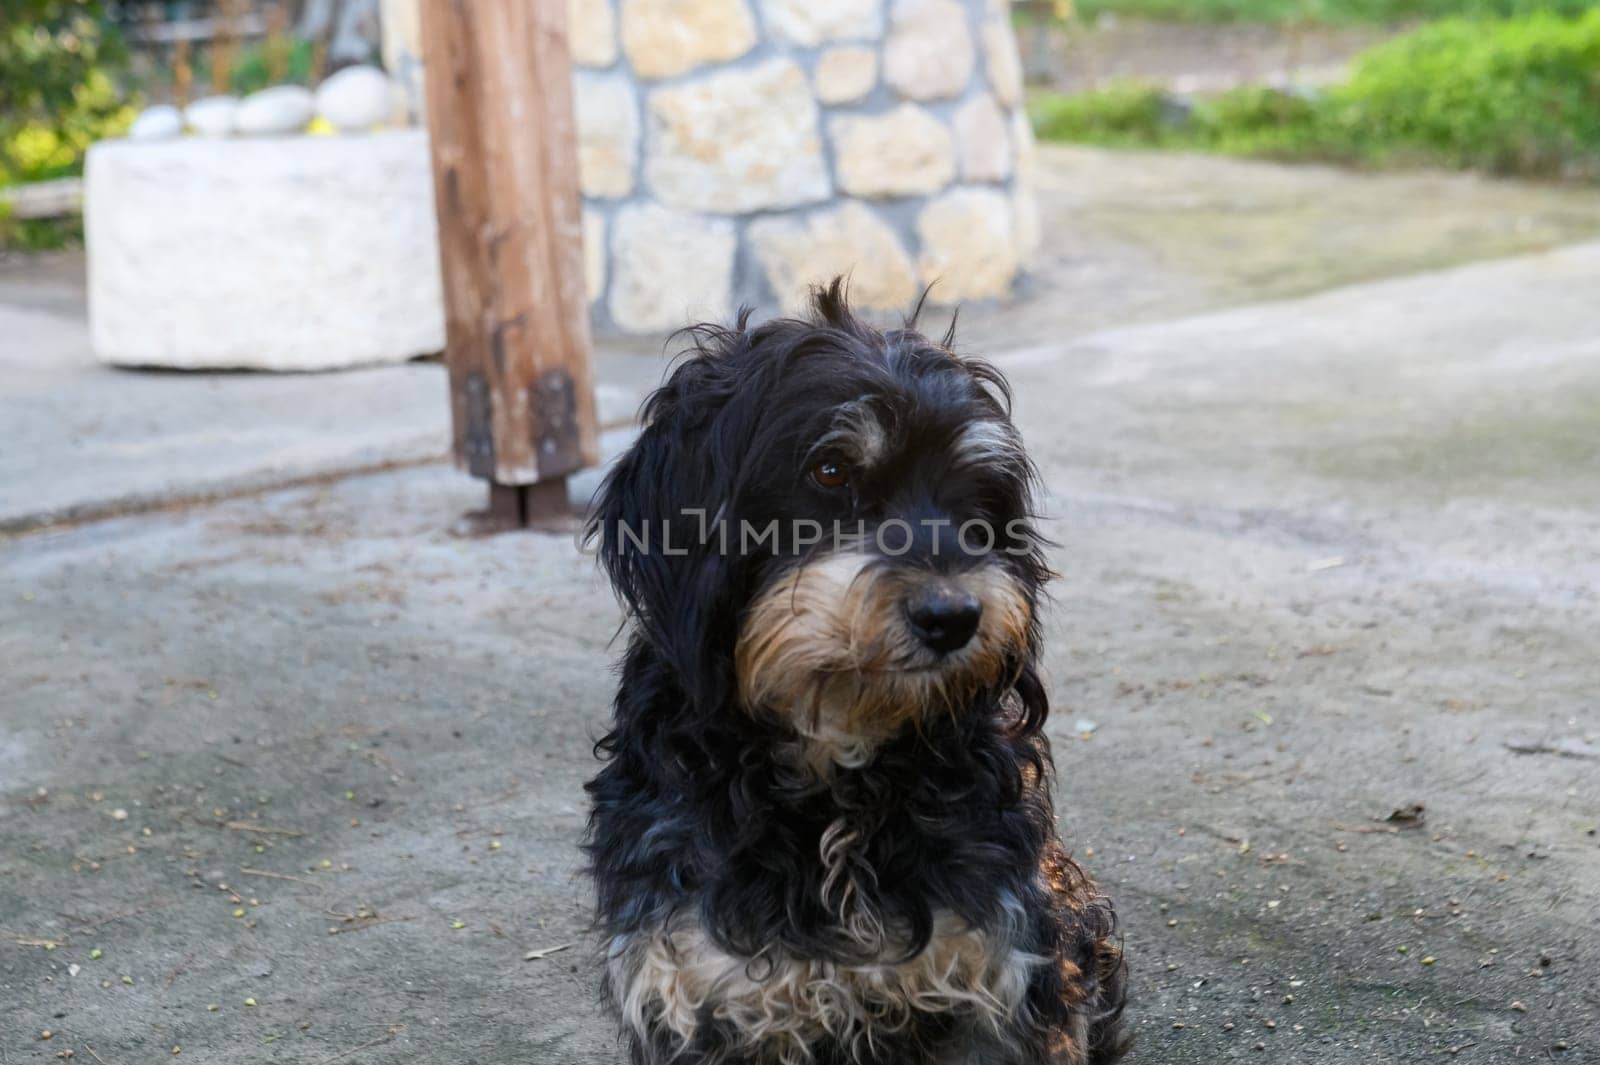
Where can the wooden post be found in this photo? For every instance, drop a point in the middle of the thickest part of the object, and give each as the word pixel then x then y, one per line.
pixel 505 172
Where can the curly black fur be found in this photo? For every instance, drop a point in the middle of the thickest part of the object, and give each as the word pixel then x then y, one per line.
pixel 701 808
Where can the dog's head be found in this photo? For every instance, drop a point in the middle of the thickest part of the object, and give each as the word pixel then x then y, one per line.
pixel 828 524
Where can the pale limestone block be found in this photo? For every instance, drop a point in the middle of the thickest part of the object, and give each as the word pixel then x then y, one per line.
pixel 592 32
pixel 669 268
pixel 289 253
pixel 929 53
pixel 212 116
pixel 967 245
pixel 845 74
pixel 608 133
pixel 667 37
pixel 594 254
pixel 904 152
pixel 737 141
pixel 158 123
pixel 1003 62
pixel 1026 229
pixel 1022 142
pixel 850 239
pixel 984 137
pixel 813 22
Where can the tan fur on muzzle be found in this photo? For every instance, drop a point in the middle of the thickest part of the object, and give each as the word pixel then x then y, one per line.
pixel 828 646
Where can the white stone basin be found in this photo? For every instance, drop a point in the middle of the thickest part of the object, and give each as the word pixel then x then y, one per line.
pixel 278 253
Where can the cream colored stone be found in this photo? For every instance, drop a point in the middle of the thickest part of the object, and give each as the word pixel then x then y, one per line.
pixel 667 37
pixel 1022 142
pixel 929 54
pixel 904 152
pixel 1026 230
pixel 608 133
pixel 594 254
pixel 984 139
pixel 850 239
pixel 400 26
pixel 669 268
pixel 591 32
pixel 967 245
pixel 1003 62
pixel 845 74
pixel 813 22
pixel 736 141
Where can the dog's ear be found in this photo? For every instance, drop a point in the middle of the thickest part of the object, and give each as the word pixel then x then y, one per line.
pixel 656 526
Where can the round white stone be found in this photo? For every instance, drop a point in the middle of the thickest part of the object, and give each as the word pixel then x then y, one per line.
pixel 156 123
pixel 355 99
pixel 213 116
pixel 278 110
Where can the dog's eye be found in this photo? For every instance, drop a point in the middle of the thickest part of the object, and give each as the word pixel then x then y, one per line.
pixel 830 475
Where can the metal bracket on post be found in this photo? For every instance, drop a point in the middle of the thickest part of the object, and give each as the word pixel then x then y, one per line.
pixel 505 165
pixel 529 506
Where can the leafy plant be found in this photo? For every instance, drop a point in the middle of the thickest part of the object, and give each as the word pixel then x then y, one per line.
pixel 38 234
pixel 1512 96
pixel 1515 96
pixel 257 66
pixel 1334 12
pixel 56 91
pixel 1124 113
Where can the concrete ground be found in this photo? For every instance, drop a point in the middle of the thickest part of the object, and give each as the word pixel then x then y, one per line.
pixel 295 775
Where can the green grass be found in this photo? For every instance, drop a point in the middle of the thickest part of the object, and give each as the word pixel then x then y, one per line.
pixel 1333 12
pixel 1513 96
pixel 38 234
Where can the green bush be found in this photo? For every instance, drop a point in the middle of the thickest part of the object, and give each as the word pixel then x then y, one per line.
pixel 57 93
pixel 1513 96
pixel 38 234
pixel 1126 113
pixel 1336 12
pixel 256 63
pixel 1517 96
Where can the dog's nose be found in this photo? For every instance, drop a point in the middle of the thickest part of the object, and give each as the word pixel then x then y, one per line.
pixel 944 619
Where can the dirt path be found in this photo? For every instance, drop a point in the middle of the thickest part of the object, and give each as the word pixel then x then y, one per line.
pixel 297 777
pixel 1152 236
pixel 1188 58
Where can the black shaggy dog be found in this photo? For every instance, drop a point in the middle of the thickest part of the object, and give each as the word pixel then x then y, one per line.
pixel 823 832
